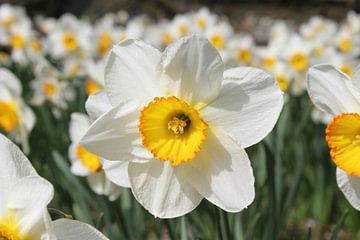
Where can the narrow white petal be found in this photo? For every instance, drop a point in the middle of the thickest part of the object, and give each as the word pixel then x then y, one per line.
pixel 161 190
pixel 350 186
pixel 131 72
pixel 192 70
pixel 331 90
pixel 222 173
pixel 117 172
pixel 66 229
pixel 248 106
pixel 115 135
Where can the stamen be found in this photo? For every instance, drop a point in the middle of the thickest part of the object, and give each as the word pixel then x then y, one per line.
pixel 178 124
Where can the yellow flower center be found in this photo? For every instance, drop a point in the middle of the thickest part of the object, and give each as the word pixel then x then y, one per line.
pixel 17 41
pixel 318 51
pixel 268 62
pixel 70 42
pixel 244 55
pixel 167 38
pixel 49 89
pixel 299 61
pixel 91 87
pixel 183 29
pixel 4 57
pixel 218 41
pixel 201 23
pixel 88 159
pixel 282 81
pixel 9 229
pixel 35 45
pixel 104 43
pixel 345 45
pixel 9 117
pixel 343 138
pixel 7 22
pixel 346 69
pixel 172 130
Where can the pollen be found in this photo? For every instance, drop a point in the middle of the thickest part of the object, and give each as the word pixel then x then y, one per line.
pixel 104 43
pixel 9 117
pixel 172 130
pixel 268 62
pixel 244 55
pixel 88 159
pixel 343 138
pixel 9 228
pixel 201 23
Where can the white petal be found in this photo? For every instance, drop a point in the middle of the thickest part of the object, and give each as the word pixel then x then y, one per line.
pixel 161 190
pixel 66 229
pixel 117 172
pixel 77 168
pixel 97 104
pixel 79 124
pixel 115 135
pixel 13 166
pixel 28 117
pixel 222 173
pixel 102 186
pixel 330 90
pixel 9 80
pixel 248 106
pixel 131 72
pixel 27 199
pixel 356 78
pixel 192 70
pixel 350 186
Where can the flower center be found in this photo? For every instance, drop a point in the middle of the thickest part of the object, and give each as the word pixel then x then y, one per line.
pixel 91 87
pixel 17 41
pixel 201 23
pixel 269 62
pixel 9 117
pixel 104 43
pixel 346 69
pixel 172 130
pixel 88 159
pixel 9 229
pixel 282 81
pixel 218 41
pixel 167 38
pixel 36 45
pixel 49 89
pixel 183 29
pixel 70 42
pixel 343 138
pixel 345 45
pixel 299 61
pixel 244 55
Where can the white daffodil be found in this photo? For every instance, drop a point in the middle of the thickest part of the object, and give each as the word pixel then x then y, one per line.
pixel 337 94
pixel 203 19
pixel 182 123
pixel 24 197
pixel 242 49
pixel 70 37
pixel 47 87
pixel 85 163
pixel 16 118
pixel 94 73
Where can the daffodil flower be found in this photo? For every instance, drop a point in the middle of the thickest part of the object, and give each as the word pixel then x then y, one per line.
pixel 24 197
pixel 182 123
pixel 87 164
pixel 335 93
